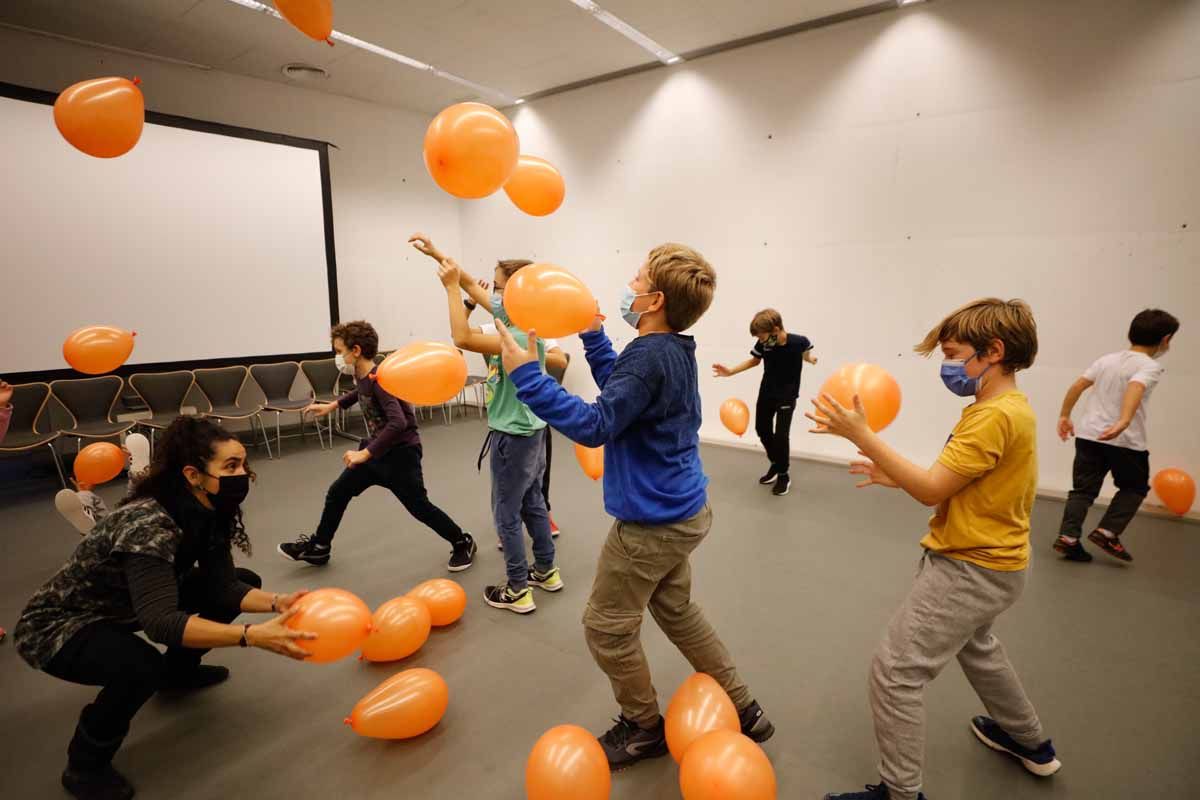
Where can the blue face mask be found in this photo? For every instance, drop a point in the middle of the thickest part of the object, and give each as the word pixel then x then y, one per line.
pixel 498 308
pixel 628 295
pixel 954 375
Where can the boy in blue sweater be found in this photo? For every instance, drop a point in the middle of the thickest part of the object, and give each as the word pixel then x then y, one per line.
pixel 648 419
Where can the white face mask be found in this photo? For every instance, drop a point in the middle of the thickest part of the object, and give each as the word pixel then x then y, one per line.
pixel 343 367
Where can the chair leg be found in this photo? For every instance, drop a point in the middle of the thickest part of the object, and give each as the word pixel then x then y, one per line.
pixel 279 435
pixel 262 429
pixel 57 464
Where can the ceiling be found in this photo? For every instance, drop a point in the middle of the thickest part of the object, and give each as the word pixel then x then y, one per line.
pixel 520 47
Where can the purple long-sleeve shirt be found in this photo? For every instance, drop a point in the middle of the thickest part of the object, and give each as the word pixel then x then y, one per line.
pixel 390 421
pixel 5 416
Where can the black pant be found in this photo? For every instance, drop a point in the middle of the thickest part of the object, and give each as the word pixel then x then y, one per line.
pixel 773 424
pixel 129 669
pixel 399 470
pixel 546 474
pixel 1093 461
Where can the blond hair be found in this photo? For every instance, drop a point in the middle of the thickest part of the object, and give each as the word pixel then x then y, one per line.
pixel 982 322
pixel 765 321
pixel 686 280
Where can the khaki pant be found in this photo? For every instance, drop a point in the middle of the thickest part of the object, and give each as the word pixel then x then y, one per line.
pixel 646 566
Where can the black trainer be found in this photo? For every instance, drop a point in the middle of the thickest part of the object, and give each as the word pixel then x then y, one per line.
pixel 755 724
pixel 1071 551
pixel 1110 544
pixel 783 485
pixel 307 550
pixel 625 744
pixel 201 677
pixel 769 478
pixel 463 554
pixel 873 792
pixel 105 784
pixel 1043 761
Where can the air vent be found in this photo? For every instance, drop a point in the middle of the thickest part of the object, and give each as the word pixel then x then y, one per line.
pixel 304 72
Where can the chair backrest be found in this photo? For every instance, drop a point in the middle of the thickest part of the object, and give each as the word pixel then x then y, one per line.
pixel 163 392
pixel 276 380
pixel 322 375
pixel 221 386
pixel 557 373
pixel 88 399
pixel 345 383
pixel 29 400
pixel 379 357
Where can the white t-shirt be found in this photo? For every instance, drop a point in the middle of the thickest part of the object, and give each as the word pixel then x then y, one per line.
pixel 490 329
pixel 1111 376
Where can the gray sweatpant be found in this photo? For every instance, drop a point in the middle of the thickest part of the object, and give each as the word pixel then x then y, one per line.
pixel 948 613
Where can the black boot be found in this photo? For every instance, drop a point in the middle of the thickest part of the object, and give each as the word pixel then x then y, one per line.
pixel 89 774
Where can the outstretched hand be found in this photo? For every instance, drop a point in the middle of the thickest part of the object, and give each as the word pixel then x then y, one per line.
pixel 425 245
pixel 834 418
pixel 511 353
pixel 874 475
pixel 448 273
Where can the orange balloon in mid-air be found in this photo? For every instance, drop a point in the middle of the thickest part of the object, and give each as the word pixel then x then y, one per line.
pixel 446 600
pixel 471 150
pixel 726 765
pixel 102 117
pixel 699 706
pixel 591 459
pixel 878 390
pixel 398 629
pixel 98 463
pixel 424 373
pixel 550 300
pixel 339 619
pixel 536 186
pixel 735 415
pixel 313 18
pixel 97 349
pixel 567 762
pixel 405 705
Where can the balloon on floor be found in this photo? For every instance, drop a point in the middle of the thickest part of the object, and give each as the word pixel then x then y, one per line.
pixel 1176 489
pixel 699 706
pixel 102 117
pixel 878 390
pixel 591 459
pixel 97 349
pixel 98 463
pixel 725 765
pixel 550 300
pixel 536 186
pixel 445 599
pixel 567 762
pixel 340 620
pixel 399 628
pixel 735 415
pixel 471 150
pixel 407 704
pixel 424 373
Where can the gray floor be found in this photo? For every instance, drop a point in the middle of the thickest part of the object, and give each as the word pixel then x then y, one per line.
pixel 799 587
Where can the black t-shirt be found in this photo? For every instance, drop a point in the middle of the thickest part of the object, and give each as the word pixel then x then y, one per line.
pixel 781 367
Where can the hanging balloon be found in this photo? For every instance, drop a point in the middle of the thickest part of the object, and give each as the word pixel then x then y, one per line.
pixel 313 18
pixel 699 706
pixel 446 600
pixel 102 117
pixel 424 373
pixel 550 300
pixel 735 415
pixel 536 187
pixel 471 150
pixel 591 459
pixel 98 463
pixel 97 349
pixel 725 765
pixel 567 762
pixel 340 620
pixel 1176 489
pixel 405 705
pixel 398 629
pixel 878 390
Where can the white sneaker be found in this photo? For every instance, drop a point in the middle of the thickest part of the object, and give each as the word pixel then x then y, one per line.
pixel 75 511
pixel 139 453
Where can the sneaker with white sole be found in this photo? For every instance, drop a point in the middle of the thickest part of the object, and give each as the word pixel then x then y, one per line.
pixel 463 554
pixel 139 453
pixel 503 597
pixel 79 509
pixel 306 549
pixel 549 581
pixel 1042 762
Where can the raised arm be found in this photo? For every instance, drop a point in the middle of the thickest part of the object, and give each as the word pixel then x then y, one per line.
pixel 722 371
pixel 464 336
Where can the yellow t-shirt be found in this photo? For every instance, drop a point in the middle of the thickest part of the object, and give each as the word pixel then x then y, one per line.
pixel 987 523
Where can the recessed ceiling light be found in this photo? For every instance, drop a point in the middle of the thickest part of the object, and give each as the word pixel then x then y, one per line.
pixel 305 72
pixel 628 31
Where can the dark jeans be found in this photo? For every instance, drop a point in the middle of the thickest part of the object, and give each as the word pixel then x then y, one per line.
pixel 399 471
pixel 546 473
pixel 129 669
pixel 1093 461
pixel 517 464
pixel 773 424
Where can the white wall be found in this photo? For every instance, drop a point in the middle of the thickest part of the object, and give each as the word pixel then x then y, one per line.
pixel 868 177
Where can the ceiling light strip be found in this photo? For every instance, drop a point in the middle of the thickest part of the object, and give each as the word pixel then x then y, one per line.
pixel 629 32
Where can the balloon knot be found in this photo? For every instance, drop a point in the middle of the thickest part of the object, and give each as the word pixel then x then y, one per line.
pixel 374 377
pixel 133 333
pixel 136 80
pixel 329 42
pixel 348 721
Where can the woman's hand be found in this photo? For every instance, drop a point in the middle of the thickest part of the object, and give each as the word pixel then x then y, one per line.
pixel 284 602
pixel 277 637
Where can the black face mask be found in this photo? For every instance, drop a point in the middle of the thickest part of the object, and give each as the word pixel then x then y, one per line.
pixel 232 491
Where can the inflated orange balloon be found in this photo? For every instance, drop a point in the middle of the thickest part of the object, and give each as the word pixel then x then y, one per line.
pixel 550 300
pixel 724 765
pixel 567 762
pixel 878 390
pixel 735 415
pixel 340 620
pixel 446 600
pixel 1176 489
pixel 471 150
pixel 398 629
pixel 97 349
pixel 102 117
pixel 98 463
pixel 699 706
pixel 313 18
pixel 536 186
pixel 591 459
pixel 405 705
pixel 424 373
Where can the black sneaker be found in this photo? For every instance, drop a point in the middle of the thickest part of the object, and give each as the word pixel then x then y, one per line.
pixel 105 784
pixel 201 677
pixel 769 478
pixel 783 485
pixel 463 554
pixel 755 724
pixel 873 792
pixel 502 597
pixel 1110 544
pixel 625 744
pixel 307 550
pixel 1071 551
pixel 1041 761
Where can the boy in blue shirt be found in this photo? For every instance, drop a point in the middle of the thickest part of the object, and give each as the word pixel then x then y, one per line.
pixel 648 419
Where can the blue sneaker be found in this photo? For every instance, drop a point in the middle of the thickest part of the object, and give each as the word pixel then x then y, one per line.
pixel 1041 761
pixel 879 792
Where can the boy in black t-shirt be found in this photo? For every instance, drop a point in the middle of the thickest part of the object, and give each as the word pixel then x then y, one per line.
pixel 784 354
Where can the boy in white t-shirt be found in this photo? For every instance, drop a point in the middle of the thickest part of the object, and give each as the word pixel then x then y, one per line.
pixel 1111 436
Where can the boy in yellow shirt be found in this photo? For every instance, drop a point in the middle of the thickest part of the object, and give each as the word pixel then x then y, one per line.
pixel 975 554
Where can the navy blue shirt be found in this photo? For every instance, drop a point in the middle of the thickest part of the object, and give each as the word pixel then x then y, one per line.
pixel 647 417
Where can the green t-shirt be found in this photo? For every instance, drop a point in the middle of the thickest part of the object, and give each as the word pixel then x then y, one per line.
pixel 506 413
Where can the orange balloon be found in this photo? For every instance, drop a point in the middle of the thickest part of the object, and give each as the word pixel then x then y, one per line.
pixel 97 349
pixel 398 629
pixel 424 373
pixel 313 18
pixel 591 459
pixel 98 463
pixel 878 390
pixel 405 705
pixel 536 186
pixel 102 117
pixel 471 150
pixel 340 620
pixel 735 414
pixel 725 765
pixel 699 706
pixel 1176 489
pixel 567 762
pixel 446 600
pixel 550 300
